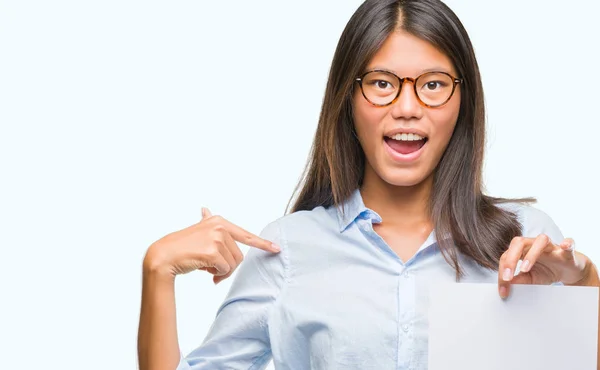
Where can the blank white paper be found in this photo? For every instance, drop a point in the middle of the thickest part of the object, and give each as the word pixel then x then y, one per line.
pixel 536 327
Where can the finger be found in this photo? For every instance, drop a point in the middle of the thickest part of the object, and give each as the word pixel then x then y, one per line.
pixel 219 263
pixel 568 245
pixel 248 238
pixel 205 213
pixel 230 243
pixel 524 278
pixel 540 245
pixel 218 279
pixel 237 255
pixel 508 263
pixel 210 270
pixel 229 258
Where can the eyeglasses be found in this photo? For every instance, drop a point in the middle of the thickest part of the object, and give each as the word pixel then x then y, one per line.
pixel 382 88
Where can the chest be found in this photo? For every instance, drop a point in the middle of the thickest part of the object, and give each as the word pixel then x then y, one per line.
pixel 348 304
pixel 404 242
pixel 343 318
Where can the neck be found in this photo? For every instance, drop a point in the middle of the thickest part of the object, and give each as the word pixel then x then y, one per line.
pixel 403 206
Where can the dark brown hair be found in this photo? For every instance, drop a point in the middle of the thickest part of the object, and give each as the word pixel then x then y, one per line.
pixel 479 229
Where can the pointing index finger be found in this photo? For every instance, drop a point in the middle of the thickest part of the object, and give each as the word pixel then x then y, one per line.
pixel 250 239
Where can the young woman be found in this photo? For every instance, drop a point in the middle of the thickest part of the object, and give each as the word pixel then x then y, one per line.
pixel 391 204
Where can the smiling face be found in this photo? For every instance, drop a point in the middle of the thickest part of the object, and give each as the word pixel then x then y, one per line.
pixel 392 153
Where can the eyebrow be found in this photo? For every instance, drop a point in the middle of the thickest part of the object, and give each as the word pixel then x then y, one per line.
pixel 433 69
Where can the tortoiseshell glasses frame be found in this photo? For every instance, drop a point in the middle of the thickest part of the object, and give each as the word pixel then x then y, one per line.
pixel 435 77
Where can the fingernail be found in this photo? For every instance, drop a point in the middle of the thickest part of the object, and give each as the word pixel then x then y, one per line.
pixel 503 292
pixel 507 276
pixel 275 247
pixel 525 266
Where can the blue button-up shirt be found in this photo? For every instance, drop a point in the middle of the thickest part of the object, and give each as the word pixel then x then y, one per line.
pixel 336 296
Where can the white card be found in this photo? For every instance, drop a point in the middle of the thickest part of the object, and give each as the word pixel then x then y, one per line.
pixel 536 327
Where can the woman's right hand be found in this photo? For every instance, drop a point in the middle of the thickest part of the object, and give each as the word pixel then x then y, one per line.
pixel 209 245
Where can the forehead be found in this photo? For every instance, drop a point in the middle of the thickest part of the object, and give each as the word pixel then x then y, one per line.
pixel 408 55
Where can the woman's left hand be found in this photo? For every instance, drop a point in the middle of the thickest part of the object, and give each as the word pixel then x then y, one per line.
pixel 543 263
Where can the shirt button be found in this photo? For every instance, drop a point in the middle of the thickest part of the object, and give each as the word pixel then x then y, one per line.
pixel 405 328
pixel 406 274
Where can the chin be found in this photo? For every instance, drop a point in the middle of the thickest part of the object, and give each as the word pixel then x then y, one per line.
pixel 404 177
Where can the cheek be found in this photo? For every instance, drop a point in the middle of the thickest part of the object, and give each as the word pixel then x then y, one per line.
pixel 444 123
pixel 367 121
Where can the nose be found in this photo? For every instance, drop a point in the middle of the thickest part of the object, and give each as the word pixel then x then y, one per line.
pixel 407 104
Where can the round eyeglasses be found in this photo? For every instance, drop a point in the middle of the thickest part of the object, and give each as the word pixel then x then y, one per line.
pixel 382 88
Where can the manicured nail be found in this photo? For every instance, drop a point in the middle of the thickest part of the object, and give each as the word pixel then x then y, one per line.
pixel 507 276
pixel 503 292
pixel 569 247
pixel 525 266
pixel 275 247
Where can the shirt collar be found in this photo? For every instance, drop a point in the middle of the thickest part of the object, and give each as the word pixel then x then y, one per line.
pixel 354 207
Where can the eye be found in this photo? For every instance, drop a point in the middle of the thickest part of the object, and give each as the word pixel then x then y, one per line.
pixel 381 84
pixel 433 85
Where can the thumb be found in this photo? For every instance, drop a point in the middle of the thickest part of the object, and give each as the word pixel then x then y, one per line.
pixel 205 213
pixel 568 245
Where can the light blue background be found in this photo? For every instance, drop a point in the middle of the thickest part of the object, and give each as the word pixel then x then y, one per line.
pixel 120 119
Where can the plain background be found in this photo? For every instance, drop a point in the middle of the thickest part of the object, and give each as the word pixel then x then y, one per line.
pixel 121 119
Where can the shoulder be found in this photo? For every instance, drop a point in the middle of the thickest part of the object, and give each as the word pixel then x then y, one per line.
pixel 300 235
pixel 303 223
pixel 534 221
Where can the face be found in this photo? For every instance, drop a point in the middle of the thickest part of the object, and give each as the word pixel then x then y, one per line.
pixel 405 162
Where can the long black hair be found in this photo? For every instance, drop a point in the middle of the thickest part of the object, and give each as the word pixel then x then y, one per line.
pixel 458 206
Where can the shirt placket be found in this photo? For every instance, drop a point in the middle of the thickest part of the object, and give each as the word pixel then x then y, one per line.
pixel 406 314
pixel 406 297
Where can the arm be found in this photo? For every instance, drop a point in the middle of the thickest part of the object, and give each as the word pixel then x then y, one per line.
pixel 238 338
pixel 158 347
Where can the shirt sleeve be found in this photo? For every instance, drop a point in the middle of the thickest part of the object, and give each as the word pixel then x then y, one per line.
pixel 239 336
pixel 536 222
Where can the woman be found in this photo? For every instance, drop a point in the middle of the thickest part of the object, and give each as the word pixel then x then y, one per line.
pixel 391 203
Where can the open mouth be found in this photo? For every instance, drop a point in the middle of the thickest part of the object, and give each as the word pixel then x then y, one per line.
pixel 405 143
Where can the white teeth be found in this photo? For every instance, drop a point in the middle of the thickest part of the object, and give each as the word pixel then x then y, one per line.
pixel 406 137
